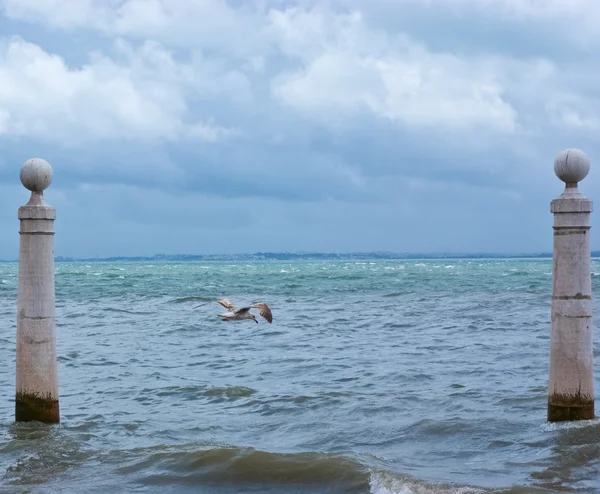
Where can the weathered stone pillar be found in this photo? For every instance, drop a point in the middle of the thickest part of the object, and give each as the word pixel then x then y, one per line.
pixel 571 383
pixel 37 376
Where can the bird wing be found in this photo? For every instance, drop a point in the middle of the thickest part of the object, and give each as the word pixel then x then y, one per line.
pixel 226 303
pixel 264 311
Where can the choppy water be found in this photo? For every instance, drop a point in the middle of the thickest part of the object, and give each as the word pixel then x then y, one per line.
pixel 381 377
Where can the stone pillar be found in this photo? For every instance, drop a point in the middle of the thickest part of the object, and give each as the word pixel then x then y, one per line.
pixel 37 376
pixel 571 383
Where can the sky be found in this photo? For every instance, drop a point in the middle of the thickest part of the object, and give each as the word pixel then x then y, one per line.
pixel 218 127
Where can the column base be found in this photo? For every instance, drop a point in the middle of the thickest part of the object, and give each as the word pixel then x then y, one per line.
pixel 33 407
pixel 561 409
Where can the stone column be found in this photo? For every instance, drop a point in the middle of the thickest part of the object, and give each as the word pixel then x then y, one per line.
pixel 571 383
pixel 37 376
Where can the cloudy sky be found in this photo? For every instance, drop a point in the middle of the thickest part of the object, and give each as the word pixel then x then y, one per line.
pixel 213 126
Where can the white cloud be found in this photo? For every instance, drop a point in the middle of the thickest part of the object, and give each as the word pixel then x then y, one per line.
pixel 57 14
pixel 325 63
pixel 432 91
pixel 140 97
pixel 349 68
pixel 206 24
pixel 575 21
pixel 582 10
pixel 4 120
pixel 573 116
pixel 210 132
pixel 561 9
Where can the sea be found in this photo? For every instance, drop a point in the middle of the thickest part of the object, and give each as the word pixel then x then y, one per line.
pixel 376 376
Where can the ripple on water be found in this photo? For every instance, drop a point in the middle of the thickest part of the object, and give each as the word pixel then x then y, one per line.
pixel 416 379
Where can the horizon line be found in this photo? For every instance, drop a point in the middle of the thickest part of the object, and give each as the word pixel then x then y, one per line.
pixel 288 255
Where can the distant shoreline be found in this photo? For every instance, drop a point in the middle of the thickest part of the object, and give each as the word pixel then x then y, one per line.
pixel 287 256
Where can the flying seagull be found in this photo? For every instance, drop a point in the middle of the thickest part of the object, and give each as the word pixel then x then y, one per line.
pixel 235 314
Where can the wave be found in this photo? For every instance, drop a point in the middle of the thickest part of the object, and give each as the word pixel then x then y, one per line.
pixel 183 300
pixel 251 470
pixel 125 311
pixel 384 482
pixel 247 468
pixel 211 467
pixel 193 392
pixel 398 294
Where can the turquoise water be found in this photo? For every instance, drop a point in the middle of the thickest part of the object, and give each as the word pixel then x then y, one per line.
pixel 375 376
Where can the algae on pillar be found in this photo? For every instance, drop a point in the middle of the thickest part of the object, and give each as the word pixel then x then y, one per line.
pixel 37 375
pixel 571 383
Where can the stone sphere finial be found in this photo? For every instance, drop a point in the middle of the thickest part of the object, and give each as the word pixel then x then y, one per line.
pixel 572 165
pixel 36 175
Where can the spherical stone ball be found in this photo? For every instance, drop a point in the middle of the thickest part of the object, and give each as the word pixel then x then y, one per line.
pixel 572 165
pixel 36 174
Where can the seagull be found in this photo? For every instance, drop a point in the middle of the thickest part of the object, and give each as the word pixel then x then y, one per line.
pixel 235 314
